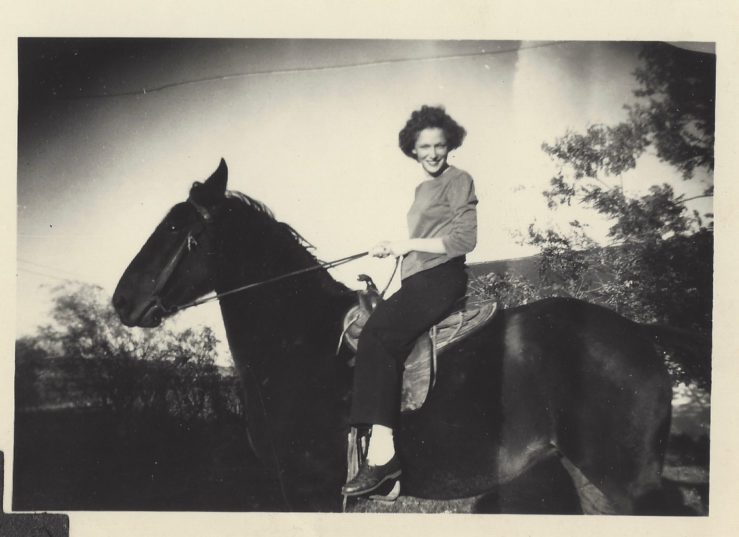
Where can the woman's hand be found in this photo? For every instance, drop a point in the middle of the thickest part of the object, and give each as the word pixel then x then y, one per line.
pixel 390 248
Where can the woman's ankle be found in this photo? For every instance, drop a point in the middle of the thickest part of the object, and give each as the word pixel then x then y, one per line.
pixel 381 446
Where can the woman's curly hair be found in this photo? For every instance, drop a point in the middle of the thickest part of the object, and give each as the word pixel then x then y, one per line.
pixel 430 117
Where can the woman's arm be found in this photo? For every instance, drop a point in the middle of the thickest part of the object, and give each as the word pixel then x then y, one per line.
pixel 462 235
pixel 433 245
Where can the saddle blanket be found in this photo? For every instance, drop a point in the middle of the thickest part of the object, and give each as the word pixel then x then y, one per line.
pixel 419 374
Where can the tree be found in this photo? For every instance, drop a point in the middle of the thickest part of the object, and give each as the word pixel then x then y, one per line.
pixel 657 264
pixel 29 360
pixel 163 370
pixel 675 116
pixel 680 116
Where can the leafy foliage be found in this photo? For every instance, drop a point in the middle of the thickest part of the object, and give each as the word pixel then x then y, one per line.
pixel 88 358
pixel 675 116
pixel 658 264
pixel 508 289
pixel 680 86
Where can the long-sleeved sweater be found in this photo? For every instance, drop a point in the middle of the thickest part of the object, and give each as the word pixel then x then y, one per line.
pixel 445 207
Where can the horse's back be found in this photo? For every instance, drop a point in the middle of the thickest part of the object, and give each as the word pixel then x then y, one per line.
pixel 565 336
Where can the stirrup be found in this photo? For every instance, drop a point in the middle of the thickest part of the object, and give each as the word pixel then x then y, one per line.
pixel 390 496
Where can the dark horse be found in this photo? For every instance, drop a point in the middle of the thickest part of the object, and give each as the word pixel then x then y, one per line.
pixel 556 376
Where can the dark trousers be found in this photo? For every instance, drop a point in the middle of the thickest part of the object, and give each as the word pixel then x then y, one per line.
pixel 390 333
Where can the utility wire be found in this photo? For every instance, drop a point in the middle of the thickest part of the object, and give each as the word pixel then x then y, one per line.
pixel 60 278
pixel 144 91
pixel 47 267
pixel 69 276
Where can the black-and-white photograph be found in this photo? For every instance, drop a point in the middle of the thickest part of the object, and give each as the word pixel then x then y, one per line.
pixel 364 276
pixel 489 291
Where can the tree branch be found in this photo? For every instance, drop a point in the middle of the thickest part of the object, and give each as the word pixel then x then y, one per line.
pixel 695 198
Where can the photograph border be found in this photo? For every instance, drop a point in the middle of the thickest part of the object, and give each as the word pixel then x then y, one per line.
pixel 479 19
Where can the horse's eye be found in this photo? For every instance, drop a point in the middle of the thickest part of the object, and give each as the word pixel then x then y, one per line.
pixel 172 228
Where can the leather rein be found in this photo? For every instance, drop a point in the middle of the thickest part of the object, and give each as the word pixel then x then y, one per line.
pixel 190 241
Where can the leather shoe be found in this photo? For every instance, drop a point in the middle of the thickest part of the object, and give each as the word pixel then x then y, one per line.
pixel 370 477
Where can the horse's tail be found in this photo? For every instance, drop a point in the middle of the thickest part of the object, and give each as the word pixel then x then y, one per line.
pixel 689 351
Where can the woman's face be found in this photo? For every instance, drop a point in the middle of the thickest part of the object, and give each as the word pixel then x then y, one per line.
pixel 431 150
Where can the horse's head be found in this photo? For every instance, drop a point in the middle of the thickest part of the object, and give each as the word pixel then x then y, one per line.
pixel 176 264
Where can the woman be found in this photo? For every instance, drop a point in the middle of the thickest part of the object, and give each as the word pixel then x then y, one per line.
pixel 443 228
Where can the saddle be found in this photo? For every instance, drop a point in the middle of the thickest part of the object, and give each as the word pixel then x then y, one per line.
pixel 419 374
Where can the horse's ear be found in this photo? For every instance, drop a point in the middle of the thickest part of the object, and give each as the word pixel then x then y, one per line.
pixel 216 183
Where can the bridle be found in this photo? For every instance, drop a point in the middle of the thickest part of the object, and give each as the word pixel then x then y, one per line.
pixel 188 243
pixel 191 241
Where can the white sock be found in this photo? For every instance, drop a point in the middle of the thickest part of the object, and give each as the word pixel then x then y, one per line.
pixel 381 447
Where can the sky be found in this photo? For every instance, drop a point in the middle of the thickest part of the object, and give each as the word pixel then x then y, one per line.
pixel 113 132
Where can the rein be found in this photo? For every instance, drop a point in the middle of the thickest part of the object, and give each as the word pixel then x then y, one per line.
pixel 190 242
pixel 327 265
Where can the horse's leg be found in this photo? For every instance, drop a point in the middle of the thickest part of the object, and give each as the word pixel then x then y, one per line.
pixel 605 391
pixel 592 500
pixel 615 432
pixel 544 488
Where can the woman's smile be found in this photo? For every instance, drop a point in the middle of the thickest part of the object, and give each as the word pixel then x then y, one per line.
pixel 431 150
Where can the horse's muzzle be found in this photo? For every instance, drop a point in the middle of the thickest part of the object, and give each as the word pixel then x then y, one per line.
pixel 148 314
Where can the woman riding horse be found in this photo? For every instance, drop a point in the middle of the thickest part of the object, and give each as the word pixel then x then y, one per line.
pixel 557 377
pixel 442 222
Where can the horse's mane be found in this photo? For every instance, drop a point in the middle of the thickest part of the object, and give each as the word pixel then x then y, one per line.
pixel 250 202
pixel 287 231
pixel 263 209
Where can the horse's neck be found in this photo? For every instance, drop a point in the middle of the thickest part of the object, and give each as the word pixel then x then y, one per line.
pixel 281 317
pixel 283 337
